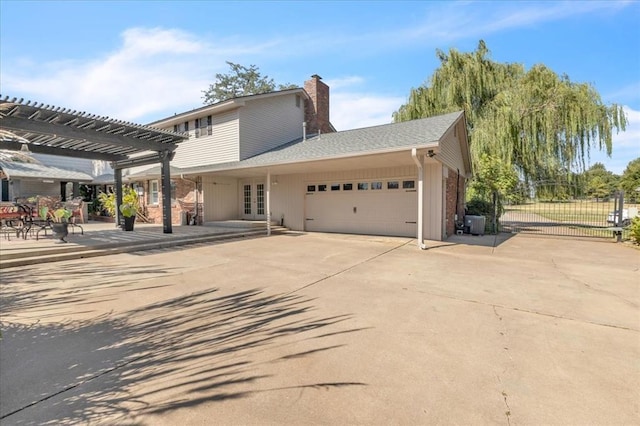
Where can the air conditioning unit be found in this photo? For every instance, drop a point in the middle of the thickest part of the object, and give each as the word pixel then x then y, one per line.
pixel 475 224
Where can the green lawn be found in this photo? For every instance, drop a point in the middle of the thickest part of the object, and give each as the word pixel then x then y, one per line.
pixel 587 216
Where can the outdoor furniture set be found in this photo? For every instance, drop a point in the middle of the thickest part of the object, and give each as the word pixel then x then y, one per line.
pixel 30 217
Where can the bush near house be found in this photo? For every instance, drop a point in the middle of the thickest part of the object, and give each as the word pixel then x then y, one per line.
pixel 108 201
pixel 634 230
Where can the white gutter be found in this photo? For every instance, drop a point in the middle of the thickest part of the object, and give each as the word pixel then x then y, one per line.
pixel 268 202
pixel 414 155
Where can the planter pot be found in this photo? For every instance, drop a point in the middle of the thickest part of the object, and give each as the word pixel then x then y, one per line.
pixel 128 223
pixel 60 231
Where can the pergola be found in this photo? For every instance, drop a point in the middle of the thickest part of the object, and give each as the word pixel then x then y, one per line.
pixel 53 130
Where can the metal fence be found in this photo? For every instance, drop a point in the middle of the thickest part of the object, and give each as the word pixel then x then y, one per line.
pixel 557 211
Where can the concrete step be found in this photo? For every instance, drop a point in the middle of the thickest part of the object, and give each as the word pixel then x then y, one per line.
pixel 62 252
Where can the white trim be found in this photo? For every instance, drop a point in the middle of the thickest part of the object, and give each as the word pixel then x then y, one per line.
pixel 414 155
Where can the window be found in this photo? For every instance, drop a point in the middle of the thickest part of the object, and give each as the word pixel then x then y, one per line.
pixel 408 184
pixel 363 186
pixel 260 193
pixel 322 188
pixel 175 128
pixel 298 101
pixel 393 184
pixel 186 126
pixel 153 192
pixel 335 187
pixel 376 185
pixel 347 186
pixel 311 188
pixel 174 187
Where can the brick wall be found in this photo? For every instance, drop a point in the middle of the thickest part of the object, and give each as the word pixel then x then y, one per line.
pixel 316 111
pixel 450 209
pixel 184 190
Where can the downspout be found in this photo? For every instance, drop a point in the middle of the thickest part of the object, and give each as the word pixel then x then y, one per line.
pixel 268 203
pixel 414 155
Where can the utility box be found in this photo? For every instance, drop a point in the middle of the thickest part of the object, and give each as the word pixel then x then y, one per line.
pixel 475 224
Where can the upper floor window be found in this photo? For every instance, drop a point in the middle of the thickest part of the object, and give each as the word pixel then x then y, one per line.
pixel 203 126
pixel 186 126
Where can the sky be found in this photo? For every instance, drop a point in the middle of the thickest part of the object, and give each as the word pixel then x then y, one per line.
pixel 144 61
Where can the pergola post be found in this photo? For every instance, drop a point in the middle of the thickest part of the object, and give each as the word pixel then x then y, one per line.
pixel 117 177
pixel 165 158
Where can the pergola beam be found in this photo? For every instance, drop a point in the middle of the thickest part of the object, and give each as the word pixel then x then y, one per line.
pixel 77 133
pixel 44 149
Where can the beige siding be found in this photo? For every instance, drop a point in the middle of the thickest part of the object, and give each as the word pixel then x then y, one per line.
pixel 450 152
pixel 268 123
pixel 433 206
pixel 287 201
pixel 220 198
pixel 220 147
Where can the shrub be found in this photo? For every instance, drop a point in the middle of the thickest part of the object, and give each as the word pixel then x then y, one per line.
pixel 108 201
pixel 481 207
pixel 634 230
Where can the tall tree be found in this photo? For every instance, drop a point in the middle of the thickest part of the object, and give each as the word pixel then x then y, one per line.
pixel 630 181
pixel 539 122
pixel 600 182
pixel 240 81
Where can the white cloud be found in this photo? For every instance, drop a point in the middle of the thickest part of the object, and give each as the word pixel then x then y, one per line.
pixel 154 69
pixel 353 110
pixel 338 83
pixel 454 21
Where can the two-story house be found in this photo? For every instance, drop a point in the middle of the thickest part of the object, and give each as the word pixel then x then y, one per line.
pixel 276 156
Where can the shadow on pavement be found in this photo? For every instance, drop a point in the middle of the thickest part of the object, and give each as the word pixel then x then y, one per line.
pixel 198 348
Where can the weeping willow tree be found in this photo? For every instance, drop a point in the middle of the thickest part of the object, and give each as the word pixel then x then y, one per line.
pixel 536 121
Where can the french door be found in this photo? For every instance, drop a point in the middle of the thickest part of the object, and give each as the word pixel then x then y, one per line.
pixel 253 201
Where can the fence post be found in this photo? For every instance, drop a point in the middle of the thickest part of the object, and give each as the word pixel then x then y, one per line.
pixel 618 215
pixel 495 212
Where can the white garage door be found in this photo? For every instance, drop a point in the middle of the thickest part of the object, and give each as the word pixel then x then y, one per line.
pixel 373 207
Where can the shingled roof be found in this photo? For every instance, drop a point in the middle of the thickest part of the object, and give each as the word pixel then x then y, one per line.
pixel 421 133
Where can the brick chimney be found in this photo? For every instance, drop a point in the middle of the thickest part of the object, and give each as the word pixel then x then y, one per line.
pixel 316 109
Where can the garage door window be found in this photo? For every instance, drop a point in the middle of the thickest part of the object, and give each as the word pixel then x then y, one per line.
pixel 335 187
pixel 393 184
pixel 322 188
pixel 347 186
pixel 408 184
pixel 376 185
pixel 363 186
pixel 311 188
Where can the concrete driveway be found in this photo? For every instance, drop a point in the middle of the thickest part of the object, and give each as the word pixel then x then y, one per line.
pixel 327 329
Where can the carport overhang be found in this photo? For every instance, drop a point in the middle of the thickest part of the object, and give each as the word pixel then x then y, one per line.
pixel 406 156
pixel 59 131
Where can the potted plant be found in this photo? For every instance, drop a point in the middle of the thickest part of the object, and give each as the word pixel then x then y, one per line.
pixel 60 223
pixel 128 211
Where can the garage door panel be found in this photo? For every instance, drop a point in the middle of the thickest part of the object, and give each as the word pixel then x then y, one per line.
pixel 384 212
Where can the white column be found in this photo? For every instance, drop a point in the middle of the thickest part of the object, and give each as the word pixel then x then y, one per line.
pixel 268 190
pixel 419 162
